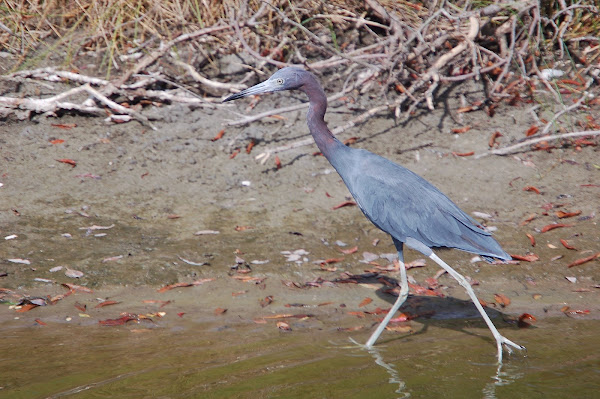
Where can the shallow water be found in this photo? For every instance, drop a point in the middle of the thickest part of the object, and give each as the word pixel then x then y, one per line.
pixel 205 360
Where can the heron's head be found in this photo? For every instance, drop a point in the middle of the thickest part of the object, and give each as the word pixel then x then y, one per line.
pixel 289 78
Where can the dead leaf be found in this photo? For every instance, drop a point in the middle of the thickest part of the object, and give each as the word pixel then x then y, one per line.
pixel 502 300
pixel 180 285
pixel 562 215
pixel 525 319
pixel 349 250
pixel 266 301
pixel 250 145
pixel 277 162
pixel 219 311
pixel 282 325
pixel 532 188
pixel 68 162
pixel 526 258
pixel 531 239
pixel 492 142
pixel 365 302
pixel 584 260
pixel 242 228
pixel 41 323
pixel 73 273
pixel 460 130
pixel 75 287
pixel 463 154
pixel 554 226
pixel 399 329
pixel 358 314
pixel 80 306
pixel 105 303
pixel 566 244
pixel 531 131
pixel 64 125
pixel 218 136
pixel 343 204
pixel 57 141
pixel 529 219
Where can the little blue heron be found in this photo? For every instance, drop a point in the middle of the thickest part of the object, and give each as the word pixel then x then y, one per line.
pixel 396 200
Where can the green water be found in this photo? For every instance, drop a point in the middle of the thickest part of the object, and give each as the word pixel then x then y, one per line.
pixel 197 360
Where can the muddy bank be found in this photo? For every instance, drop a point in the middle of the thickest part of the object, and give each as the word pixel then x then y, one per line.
pixel 125 210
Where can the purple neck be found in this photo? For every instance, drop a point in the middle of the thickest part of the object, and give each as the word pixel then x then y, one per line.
pixel 315 118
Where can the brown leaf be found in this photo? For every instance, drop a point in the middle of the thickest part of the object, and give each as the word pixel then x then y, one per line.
pixel 343 204
pixel 399 329
pixel 531 239
pixel 219 135
pixel 64 125
pixel 68 161
pixel 242 228
pixel 80 306
pixel 41 323
pixel 584 260
pixel 105 303
pixel 234 154
pixel 180 285
pixel 526 258
pixel 219 311
pixel 502 300
pixel 365 302
pixel 492 142
pixel 349 250
pixel 277 162
pixel 566 244
pixel 75 287
pixel 358 314
pixel 554 226
pixel 250 145
pixel 266 301
pixel 532 188
pixel 120 321
pixel 331 260
pixel 531 131
pixel 26 308
pixel 529 219
pixel 525 319
pixel 460 130
pixel 463 154
pixel 57 141
pixel 282 325
pixel 562 215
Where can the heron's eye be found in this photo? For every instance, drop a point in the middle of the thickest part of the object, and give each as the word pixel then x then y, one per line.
pixel 279 81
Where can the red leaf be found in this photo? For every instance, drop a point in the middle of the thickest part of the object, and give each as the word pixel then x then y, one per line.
pixel 463 154
pixel 68 161
pixel 219 135
pixel 64 125
pixel 526 258
pixel 493 143
pixel 105 303
pixel 179 285
pixel 250 145
pixel 532 239
pixel 41 323
pixel 554 226
pixel 562 215
pixel 584 260
pixel 365 302
pixel 502 300
pixel 343 204
pixel 460 130
pixel 566 244
pixel 277 162
pixel 57 141
pixel 531 131
pixel 266 301
pixel 531 188
pixel 349 250
pixel 525 319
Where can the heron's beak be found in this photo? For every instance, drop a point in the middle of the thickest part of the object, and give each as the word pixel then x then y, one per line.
pixel 267 86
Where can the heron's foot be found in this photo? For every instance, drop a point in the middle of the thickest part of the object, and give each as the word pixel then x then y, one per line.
pixel 356 343
pixel 505 343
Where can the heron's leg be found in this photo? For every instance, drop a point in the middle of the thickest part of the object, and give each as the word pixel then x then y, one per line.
pixel 500 340
pixel 401 297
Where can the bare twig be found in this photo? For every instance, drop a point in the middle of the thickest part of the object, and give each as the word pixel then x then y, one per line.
pixel 512 148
